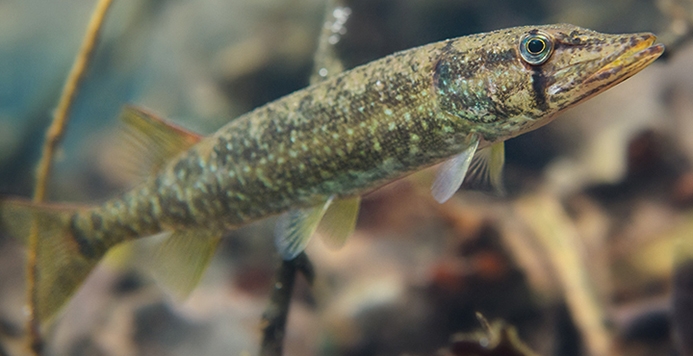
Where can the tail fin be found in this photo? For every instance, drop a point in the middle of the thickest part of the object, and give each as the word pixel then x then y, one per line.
pixel 61 266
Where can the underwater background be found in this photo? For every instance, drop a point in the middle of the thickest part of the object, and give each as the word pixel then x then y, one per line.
pixel 594 225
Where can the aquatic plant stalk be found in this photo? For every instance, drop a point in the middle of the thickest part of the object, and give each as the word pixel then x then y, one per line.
pixel 558 236
pixel 326 64
pixel 54 135
pixel 277 312
pixel 326 61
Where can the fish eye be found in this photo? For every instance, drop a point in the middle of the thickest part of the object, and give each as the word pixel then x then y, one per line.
pixel 536 48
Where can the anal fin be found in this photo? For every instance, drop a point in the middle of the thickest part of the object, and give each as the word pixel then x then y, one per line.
pixel 179 261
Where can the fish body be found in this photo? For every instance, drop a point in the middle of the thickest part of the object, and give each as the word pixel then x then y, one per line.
pixel 317 150
pixel 364 128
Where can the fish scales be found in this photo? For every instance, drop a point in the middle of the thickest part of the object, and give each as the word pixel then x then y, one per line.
pixel 348 135
pixel 343 136
pixel 336 140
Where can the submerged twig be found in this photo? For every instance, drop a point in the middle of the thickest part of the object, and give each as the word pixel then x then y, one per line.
pixel 60 119
pixel 557 235
pixel 275 316
pixel 326 64
pixel 326 61
pixel 53 137
pixel 496 338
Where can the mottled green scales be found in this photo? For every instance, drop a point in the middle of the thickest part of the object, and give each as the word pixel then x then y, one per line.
pixel 312 154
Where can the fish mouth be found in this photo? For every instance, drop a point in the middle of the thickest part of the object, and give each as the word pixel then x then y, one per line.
pixel 640 52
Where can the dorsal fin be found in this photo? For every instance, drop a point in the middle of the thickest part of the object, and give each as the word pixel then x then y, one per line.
pixel 151 141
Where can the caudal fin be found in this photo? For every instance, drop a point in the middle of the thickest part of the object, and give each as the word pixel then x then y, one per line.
pixel 61 266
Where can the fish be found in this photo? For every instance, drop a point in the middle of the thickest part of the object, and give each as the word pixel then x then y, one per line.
pixel 311 155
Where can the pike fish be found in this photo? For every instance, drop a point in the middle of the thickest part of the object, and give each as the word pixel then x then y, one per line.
pixel 311 154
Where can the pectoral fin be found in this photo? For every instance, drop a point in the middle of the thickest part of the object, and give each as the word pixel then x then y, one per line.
pixel 452 172
pixel 295 228
pixel 339 222
pixel 179 261
pixel 486 169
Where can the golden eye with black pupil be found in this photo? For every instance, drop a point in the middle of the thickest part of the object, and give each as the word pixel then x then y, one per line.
pixel 536 48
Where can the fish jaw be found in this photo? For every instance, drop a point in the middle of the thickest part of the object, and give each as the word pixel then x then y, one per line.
pixel 630 61
pixel 610 62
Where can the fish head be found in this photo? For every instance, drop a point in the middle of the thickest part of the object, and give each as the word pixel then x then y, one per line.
pixel 508 82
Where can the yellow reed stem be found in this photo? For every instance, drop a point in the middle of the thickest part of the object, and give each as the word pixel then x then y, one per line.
pixel 53 137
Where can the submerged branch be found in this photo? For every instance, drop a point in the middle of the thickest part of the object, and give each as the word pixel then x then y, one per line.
pixel 326 61
pixel 557 235
pixel 326 64
pixel 53 137
pixel 275 316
